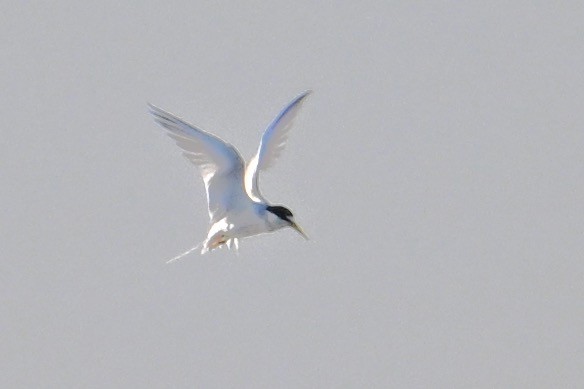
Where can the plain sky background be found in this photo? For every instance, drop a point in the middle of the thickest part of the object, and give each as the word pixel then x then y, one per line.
pixel 437 167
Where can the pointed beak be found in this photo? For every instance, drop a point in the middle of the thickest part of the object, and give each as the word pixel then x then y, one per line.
pixel 300 231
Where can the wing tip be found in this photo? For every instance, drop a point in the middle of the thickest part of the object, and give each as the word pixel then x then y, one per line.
pixel 304 94
pixel 154 110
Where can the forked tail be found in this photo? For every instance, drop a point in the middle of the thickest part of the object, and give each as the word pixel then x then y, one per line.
pixel 185 253
pixel 209 246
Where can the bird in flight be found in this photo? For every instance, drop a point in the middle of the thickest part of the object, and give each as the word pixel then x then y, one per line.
pixel 237 209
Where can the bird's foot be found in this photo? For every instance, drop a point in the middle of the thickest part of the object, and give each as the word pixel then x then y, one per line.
pixel 217 241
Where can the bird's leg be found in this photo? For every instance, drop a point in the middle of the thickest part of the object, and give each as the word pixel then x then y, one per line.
pixel 217 240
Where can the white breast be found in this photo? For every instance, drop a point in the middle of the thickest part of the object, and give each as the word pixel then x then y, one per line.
pixel 243 222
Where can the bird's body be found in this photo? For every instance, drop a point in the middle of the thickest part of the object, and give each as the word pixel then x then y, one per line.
pixel 244 220
pixel 237 209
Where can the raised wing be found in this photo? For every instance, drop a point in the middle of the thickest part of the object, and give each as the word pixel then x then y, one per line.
pixel 271 146
pixel 219 162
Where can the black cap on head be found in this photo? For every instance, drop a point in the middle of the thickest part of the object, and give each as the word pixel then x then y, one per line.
pixel 280 211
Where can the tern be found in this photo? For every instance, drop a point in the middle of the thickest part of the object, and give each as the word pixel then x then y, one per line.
pixel 237 209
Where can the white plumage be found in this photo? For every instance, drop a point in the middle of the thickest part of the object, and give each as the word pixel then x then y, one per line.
pixel 237 209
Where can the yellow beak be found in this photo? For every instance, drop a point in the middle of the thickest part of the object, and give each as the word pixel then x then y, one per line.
pixel 300 231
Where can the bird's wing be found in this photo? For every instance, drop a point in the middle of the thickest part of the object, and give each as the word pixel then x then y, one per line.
pixel 271 146
pixel 219 162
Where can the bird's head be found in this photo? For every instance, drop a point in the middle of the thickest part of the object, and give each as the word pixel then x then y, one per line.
pixel 282 217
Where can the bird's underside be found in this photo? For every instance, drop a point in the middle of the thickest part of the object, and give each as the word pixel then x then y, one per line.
pixel 218 241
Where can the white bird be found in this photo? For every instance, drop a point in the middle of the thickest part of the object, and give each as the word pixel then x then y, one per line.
pixel 237 209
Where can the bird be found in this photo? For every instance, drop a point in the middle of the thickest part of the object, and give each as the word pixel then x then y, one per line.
pixel 237 208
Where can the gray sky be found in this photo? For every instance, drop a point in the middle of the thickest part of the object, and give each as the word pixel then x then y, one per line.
pixel 437 167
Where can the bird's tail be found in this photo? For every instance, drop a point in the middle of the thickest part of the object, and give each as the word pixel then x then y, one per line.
pixel 233 243
pixel 185 253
